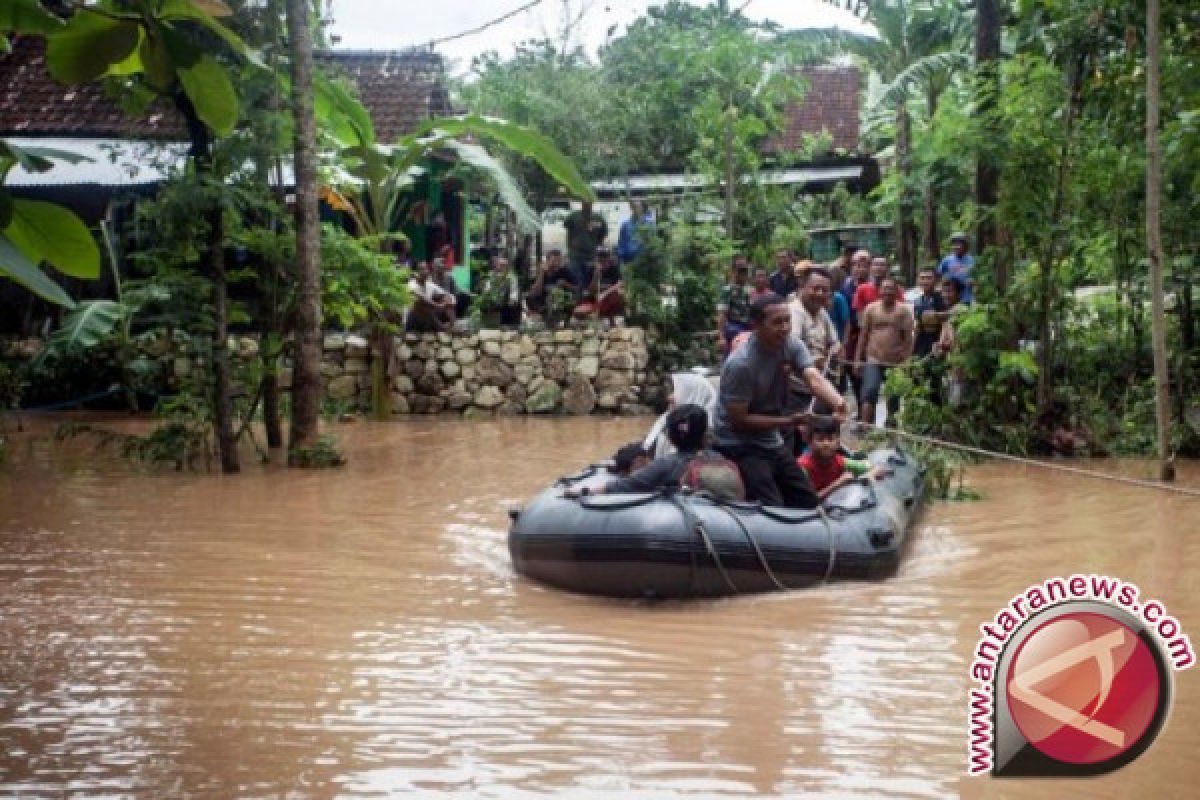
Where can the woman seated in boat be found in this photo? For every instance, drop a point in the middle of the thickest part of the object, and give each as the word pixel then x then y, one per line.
pixel 828 469
pixel 690 465
pixel 686 387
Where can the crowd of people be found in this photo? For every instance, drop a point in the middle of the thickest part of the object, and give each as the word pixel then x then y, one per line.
pixel 856 319
pixel 584 283
pixel 795 347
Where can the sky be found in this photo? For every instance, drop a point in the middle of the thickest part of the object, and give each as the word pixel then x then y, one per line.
pixel 397 24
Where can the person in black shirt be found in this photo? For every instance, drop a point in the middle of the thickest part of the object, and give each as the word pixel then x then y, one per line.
pixel 783 280
pixel 553 278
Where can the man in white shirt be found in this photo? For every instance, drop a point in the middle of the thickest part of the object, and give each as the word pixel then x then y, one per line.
pixel 433 307
pixel 812 324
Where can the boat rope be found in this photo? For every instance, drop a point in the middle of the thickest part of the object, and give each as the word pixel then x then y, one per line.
pixel 762 557
pixel 78 401
pixel 694 524
pixel 1033 462
pixel 832 542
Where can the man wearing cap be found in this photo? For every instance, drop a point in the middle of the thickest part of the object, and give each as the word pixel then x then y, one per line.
pixel 959 264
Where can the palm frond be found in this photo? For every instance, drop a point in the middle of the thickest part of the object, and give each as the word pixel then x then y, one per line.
pixel 931 67
pixel 506 185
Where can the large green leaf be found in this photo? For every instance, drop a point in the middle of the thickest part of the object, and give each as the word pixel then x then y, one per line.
pixel 47 232
pixel 89 324
pixel 17 266
pixel 39 159
pixel 156 63
pixel 506 185
pixel 88 45
pixel 208 86
pixel 27 16
pixel 521 140
pixel 921 71
pixel 342 115
pixel 202 12
pixel 5 208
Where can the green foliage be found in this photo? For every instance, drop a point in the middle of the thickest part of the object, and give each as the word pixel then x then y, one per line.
pixel 156 46
pixel 324 454
pixel 53 234
pixel 673 284
pixel 359 283
pixel 208 86
pixel 35 232
pixel 183 439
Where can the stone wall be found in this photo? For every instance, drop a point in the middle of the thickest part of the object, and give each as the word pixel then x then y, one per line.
pixel 574 371
pixel 509 372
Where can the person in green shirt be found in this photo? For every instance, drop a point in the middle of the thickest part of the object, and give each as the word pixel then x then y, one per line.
pixel 733 306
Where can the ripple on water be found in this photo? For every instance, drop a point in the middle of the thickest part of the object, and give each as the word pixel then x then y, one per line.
pixel 361 633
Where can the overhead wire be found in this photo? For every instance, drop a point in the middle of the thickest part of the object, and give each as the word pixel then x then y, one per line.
pixel 484 26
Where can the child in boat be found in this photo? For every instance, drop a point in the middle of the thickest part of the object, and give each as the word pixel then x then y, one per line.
pixel 827 468
pixel 691 464
pixel 629 458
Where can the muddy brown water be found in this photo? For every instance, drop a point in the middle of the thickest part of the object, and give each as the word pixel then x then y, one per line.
pixel 361 633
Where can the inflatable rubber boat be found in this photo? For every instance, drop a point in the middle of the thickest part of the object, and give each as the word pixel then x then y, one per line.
pixel 679 544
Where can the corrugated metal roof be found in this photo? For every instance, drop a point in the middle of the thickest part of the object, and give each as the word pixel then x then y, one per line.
pixel 113 162
pixel 669 182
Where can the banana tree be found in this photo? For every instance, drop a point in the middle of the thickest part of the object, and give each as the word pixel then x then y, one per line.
pixel 919 45
pixel 33 232
pixel 374 180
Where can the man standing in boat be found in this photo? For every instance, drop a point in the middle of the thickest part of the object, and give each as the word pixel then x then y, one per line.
pixel 751 406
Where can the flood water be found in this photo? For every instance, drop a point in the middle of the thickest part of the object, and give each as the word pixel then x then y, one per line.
pixel 361 633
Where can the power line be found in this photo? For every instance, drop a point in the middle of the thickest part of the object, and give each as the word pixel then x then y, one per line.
pixel 486 25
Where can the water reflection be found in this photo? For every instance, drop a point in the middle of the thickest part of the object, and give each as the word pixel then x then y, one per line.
pixel 360 633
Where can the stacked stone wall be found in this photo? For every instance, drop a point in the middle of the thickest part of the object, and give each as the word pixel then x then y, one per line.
pixel 492 372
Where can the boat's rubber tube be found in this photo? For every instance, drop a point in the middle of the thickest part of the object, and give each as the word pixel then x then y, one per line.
pixel 686 545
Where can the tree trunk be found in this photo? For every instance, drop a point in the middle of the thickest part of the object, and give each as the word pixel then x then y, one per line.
pixel 1158 327
pixel 930 232
pixel 222 405
pixel 987 172
pixel 1050 253
pixel 730 202
pixel 906 231
pixel 270 161
pixel 214 259
pixel 306 376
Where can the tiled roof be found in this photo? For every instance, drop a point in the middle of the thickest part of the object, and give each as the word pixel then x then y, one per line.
pixel 399 89
pixel 33 103
pixel 831 104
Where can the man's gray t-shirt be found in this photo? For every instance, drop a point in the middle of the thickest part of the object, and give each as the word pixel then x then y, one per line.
pixel 760 380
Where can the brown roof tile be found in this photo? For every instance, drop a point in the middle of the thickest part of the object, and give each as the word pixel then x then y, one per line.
pixel 399 89
pixel 32 103
pixel 831 104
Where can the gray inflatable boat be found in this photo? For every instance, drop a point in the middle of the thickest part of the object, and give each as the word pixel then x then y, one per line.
pixel 679 545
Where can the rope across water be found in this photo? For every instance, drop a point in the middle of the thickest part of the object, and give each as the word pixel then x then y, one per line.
pixel 1032 462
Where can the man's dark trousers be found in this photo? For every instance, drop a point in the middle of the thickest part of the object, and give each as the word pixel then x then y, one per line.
pixel 771 475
